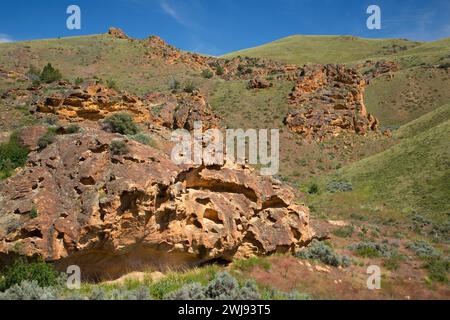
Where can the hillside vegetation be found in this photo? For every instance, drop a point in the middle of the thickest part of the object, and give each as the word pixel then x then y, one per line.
pixel 410 177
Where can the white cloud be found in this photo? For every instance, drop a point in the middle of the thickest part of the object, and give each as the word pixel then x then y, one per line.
pixel 5 38
pixel 173 12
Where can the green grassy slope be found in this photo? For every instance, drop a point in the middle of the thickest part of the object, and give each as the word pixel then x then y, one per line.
pixel 412 176
pixel 324 49
pixel 103 56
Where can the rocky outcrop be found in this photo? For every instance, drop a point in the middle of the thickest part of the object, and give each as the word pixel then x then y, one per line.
pixel 95 102
pixel 77 203
pixel 117 33
pixel 374 69
pixel 328 100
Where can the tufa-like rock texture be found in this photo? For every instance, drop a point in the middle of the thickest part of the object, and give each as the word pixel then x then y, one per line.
pixel 77 203
pixel 328 100
pixel 95 102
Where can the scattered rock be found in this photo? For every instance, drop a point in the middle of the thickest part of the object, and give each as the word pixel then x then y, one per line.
pixel 258 83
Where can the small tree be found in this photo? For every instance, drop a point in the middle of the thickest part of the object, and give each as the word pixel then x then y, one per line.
pixel 50 74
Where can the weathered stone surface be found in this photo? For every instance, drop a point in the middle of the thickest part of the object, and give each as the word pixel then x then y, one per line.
pixel 95 102
pixel 114 214
pixel 329 100
pixel 30 136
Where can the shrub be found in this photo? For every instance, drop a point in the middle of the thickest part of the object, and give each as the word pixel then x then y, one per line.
pixel 189 87
pixel 313 189
pixel 140 293
pixel 192 291
pixel 46 140
pixel 12 155
pixel 73 128
pixel 219 70
pixel 339 186
pixel 207 74
pixel 118 147
pixel 369 249
pixel 34 213
pixel 324 253
pixel 393 262
pixel 438 268
pixel 222 287
pixel 144 139
pixel 121 123
pixel 29 290
pixel 50 74
pixel 20 271
pixel 423 249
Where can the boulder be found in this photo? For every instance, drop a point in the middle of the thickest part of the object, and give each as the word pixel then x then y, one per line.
pixel 77 203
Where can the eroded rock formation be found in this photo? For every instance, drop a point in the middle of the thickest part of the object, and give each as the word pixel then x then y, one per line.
pixel 328 100
pixel 95 102
pixel 77 203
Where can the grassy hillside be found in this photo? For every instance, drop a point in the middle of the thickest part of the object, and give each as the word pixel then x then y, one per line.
pixel 325 49
pixel 103 56
pixel 412 176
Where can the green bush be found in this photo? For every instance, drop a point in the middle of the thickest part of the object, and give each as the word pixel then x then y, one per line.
pixel 313 189
pixel 50 74
pixel 73 128
pixel 34 213
pixel 438 268
pixel 121 123
pixel 20 271
pixel 47 139
pixel 368 249
pixel 207 74
pixel 189 87
pixel 118 147
pixel 219 70
pixel 322 252
pixel 12 155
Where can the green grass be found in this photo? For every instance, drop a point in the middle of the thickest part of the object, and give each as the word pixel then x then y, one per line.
pixel 300 49
pixel 412 176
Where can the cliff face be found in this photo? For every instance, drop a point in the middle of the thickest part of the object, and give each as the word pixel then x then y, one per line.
pixel 328 100
pixel 75 202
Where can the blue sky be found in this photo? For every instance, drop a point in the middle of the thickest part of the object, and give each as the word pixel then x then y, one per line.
pixel 221 26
